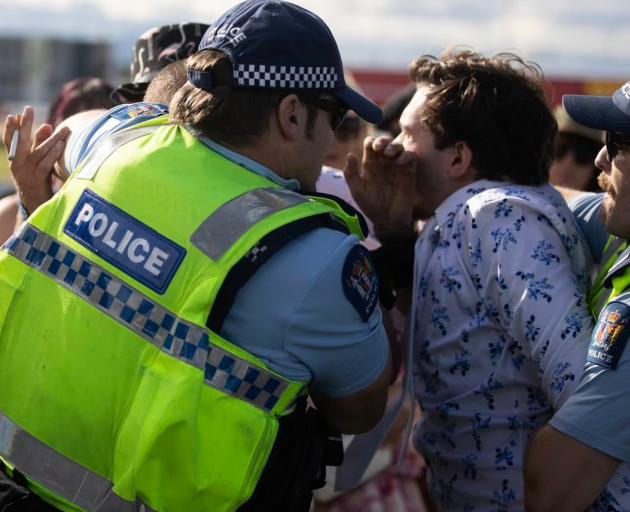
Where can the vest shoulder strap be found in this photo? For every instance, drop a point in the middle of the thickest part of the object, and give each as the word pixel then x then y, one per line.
pixel 618 268
pixel 346 207
pixel 257 256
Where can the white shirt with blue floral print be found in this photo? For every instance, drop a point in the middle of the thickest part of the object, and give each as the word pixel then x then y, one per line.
pixel 500 340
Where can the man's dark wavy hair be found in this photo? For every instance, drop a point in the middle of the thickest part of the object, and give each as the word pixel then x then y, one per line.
pixel 497 105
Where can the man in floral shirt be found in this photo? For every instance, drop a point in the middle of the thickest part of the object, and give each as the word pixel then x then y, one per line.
pixel 500 323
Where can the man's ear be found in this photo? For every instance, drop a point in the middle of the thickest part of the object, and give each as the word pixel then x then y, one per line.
pixel 291 117
pixel 461 161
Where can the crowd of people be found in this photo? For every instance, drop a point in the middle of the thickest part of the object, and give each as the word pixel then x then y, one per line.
pixel 228 284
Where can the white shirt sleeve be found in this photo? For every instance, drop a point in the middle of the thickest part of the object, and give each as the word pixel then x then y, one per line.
pixel 534 290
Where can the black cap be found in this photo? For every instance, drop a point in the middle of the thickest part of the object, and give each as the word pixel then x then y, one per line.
pixel 156 49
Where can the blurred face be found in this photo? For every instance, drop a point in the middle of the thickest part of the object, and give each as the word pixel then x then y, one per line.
pixel 567 172
pixel 349 138
pixel 433 185
pixel 573 165
pixel 615 182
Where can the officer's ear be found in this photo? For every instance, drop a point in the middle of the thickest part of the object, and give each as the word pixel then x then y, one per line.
pixel 291 117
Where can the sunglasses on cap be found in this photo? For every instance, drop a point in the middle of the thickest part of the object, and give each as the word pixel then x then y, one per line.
pixel 337 112
pixel 613 141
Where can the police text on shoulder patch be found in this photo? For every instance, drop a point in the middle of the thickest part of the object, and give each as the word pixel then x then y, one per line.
pixel 610 335
pixel 124 242
pixel 360 282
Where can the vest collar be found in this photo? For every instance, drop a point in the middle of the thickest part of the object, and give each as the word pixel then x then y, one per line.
pixel 247 163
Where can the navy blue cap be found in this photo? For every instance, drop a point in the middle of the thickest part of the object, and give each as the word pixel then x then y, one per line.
pixel 609 113
pixel 279 45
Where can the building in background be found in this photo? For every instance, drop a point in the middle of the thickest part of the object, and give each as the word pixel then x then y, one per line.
pixel 33 70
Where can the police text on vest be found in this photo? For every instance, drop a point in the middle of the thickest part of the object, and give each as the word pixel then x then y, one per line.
pixel 124 241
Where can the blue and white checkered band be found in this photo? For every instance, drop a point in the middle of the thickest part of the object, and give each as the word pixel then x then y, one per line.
pixel 286 77
pixel 179 338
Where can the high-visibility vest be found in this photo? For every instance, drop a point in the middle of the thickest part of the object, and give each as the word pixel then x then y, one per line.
pixel 114 396
pixel 599 294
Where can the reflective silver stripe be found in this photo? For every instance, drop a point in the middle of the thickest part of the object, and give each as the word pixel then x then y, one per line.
pixel 232 220
pixel 179 338
pixel 60 474
pixel 613 247
pixel 603 299
pixel 108 145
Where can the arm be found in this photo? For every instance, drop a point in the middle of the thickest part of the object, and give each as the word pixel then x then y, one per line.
pixel 535 285
pixel 588 437
pixel 395 350
pixel 32 166
pixel 359 412
pixel 350 388
pixel 38 159
pixel 65 165
pixel 556 463
pixel 313 331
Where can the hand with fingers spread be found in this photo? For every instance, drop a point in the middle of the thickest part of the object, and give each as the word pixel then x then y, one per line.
pixel 384 187
pixel 35 157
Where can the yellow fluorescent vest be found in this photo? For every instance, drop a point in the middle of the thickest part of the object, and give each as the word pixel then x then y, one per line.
pixel 599 296
pixel 114 394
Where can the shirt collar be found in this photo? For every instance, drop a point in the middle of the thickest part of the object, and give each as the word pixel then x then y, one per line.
pixel 248 163
pixel 451 205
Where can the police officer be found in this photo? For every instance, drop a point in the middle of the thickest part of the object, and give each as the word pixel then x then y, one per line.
pixel 163 316
pixel 586 445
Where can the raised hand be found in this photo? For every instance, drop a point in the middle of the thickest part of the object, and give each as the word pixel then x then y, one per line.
pixel 32 167
pixel 384 186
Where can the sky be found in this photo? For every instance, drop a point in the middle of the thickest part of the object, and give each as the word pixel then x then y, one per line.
pixel 567 38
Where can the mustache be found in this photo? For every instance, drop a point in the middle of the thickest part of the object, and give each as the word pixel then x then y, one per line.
pixel 604 182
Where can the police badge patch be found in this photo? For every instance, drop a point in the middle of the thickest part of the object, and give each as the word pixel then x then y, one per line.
pixel 610 335
pixel 359 280
pixel 140 109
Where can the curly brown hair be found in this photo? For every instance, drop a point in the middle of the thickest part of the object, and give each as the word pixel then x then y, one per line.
pixel 497 105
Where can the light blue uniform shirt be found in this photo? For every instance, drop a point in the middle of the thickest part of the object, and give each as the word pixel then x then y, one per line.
pixel 597 414
pixel 293 313
pixel 585 208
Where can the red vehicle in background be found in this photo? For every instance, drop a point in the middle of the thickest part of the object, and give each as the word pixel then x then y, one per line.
pixel 380 85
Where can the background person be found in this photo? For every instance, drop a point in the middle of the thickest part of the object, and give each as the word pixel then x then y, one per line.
pixel 393 109
pixel 154 50
pixel 574 167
